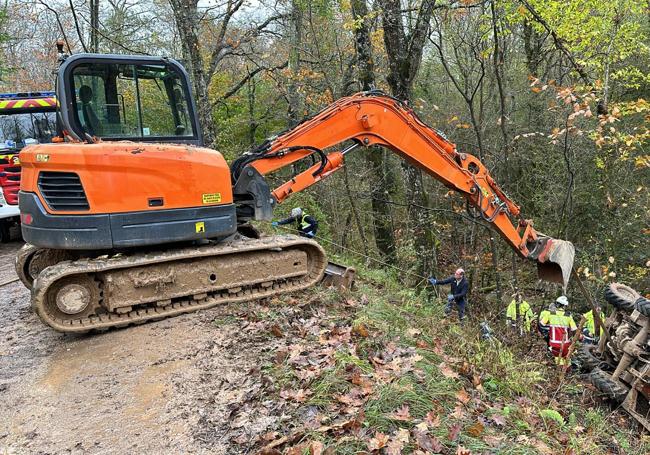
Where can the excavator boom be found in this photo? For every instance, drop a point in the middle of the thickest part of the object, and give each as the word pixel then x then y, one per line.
pixel 373 118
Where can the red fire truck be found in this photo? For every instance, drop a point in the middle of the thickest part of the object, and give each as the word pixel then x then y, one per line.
pixel 25 118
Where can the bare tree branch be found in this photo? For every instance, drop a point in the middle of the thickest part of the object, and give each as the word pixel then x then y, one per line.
pixel 248 77
pixel 76 24
pixel 558 42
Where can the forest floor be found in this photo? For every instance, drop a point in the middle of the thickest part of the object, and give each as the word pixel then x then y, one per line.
pixel 376 369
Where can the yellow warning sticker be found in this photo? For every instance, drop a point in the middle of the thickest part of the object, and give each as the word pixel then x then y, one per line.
pixel 199 226
pixel 43 158
pixel 211 198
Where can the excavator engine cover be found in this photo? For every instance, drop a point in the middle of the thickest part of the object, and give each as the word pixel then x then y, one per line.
pixel 119 194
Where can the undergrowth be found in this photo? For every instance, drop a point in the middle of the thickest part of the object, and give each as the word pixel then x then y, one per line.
pixel 405 379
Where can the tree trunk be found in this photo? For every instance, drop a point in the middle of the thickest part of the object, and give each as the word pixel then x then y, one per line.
pixel 252 122
pixel 382 175
pixel 295 41
pixel 94 26
pixel 354 210
pixel 404 51
pixel 187 16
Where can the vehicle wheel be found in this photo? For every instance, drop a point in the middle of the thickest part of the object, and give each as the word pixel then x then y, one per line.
pixel 585 358
pixel 609 387
pixel 643 306
pixel 5 233
pixel 621 296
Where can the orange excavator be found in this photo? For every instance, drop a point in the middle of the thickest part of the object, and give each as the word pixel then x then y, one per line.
pixel 128 218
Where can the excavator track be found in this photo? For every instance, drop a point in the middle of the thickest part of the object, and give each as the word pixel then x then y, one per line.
pixel 115 291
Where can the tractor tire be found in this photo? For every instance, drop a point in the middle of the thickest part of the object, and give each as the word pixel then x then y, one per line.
pixel 585 358
pixel 643 306
pixel 607 386
pixel 621 297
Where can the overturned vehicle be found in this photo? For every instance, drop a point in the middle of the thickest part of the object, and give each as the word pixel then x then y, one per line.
pixel 619 366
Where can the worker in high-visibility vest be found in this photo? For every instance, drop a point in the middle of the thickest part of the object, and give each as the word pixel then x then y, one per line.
pixel 589 330
pixel 561 325
pixel 519 314
pixel 305 224
pixel 544 315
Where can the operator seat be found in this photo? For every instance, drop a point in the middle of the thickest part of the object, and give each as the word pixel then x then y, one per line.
pixel 91 121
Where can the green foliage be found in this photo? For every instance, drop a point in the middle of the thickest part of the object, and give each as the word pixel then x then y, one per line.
pixel 552 415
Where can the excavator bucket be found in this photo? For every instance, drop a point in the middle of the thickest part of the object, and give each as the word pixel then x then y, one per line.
pixel 554 260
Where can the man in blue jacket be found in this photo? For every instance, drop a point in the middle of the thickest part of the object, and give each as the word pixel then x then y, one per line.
pixel 458 294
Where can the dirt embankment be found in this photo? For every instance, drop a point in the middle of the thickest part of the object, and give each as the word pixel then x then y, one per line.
pixel 190 384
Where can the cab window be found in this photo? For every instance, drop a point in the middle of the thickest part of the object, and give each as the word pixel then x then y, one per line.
pixel 128 101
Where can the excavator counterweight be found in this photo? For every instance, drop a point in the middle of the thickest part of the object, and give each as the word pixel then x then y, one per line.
pixel 132 219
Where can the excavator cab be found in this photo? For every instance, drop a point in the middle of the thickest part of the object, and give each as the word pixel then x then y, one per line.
pixel 125 175
pixel 112 97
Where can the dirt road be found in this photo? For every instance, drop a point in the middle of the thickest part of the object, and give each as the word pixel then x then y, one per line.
pixel 191 384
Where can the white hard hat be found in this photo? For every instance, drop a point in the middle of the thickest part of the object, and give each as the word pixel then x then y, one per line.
pixel 296 211
pixel 562 300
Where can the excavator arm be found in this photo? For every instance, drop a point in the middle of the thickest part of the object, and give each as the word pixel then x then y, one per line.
pixel 373 118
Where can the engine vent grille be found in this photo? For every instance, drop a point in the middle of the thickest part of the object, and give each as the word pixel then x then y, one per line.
pixel 62 191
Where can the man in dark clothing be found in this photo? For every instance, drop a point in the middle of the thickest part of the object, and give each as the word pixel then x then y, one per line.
pixel 306 224
pixel 459 287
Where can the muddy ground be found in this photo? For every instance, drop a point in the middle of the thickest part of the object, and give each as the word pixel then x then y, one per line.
pixel 191 384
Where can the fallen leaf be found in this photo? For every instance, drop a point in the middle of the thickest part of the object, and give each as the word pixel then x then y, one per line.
pixel 277 331
pixel 493 441
pixel 413 332
pixel 437 348
pixel 378 442
pixel 447 372
pixel 433 420
pixel 397 442
pixel 350 399
pixel 360 330
pixel 297 450
pixel 498 419
pixel 299 395
pixel 317 448
pixel 463 396
pixel 242 439
pixel 402 414
pixel 422 344
pixel 459 412
pixel 365 383
pixel 428 443
pixel 270 436
pixel 542 447
pixel 454 431
pixel 460 450
pixel 476 430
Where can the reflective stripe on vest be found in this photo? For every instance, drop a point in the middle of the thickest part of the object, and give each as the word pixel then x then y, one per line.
pixel 303 223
